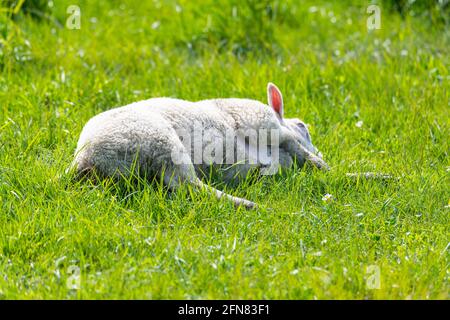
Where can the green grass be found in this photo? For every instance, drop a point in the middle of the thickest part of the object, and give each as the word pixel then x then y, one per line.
pixel 134 240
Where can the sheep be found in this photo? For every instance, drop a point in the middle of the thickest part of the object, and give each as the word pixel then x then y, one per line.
pixel 168 138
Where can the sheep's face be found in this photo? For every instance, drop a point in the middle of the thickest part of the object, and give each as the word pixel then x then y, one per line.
pixel 301 133
pixel 296 127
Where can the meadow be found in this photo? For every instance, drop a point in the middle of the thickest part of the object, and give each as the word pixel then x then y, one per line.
pixel 375 100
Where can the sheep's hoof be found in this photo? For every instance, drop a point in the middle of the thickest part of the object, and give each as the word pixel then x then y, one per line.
pixel 246 204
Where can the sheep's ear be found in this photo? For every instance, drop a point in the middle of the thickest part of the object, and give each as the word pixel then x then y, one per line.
pixel 275 99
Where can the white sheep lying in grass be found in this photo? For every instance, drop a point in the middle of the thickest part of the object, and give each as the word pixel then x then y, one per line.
pixel 160 137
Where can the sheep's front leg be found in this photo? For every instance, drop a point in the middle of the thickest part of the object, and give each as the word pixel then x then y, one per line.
pixel 183 171
pixel 299 152
pixel 281 159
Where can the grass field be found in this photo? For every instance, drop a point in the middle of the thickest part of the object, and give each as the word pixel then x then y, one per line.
pixel 375 100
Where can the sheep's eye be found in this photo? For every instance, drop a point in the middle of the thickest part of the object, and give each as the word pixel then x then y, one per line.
pixel 304 130
pixel 301 125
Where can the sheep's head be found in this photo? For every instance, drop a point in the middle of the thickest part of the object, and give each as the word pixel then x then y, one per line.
pixel 296 128
pixel 301 132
